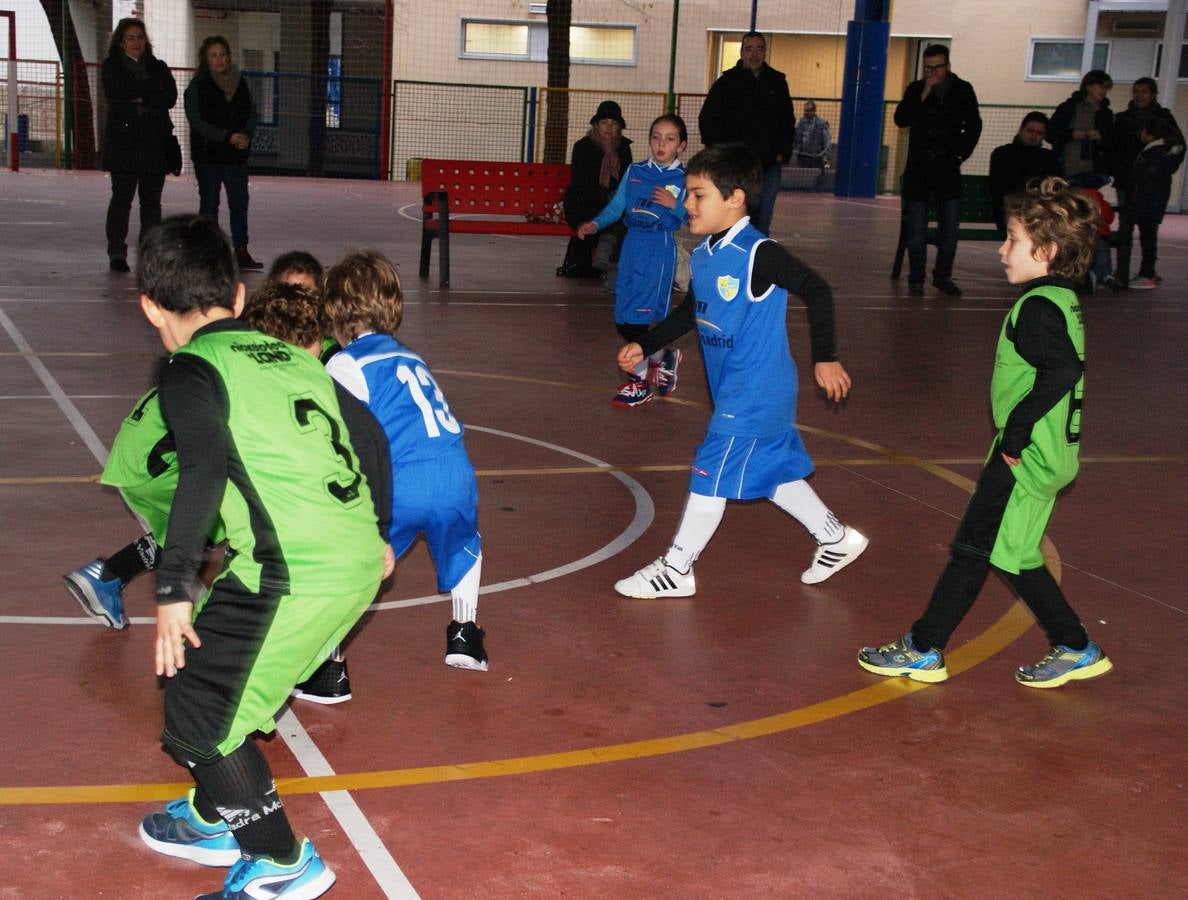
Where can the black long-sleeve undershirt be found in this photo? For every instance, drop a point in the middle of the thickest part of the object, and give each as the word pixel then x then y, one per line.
pixel 774 265
pixel 1041 338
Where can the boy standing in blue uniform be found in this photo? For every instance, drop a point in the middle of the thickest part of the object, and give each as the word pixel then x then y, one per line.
pixel 649 200
pixel 433 485
pixel 738 303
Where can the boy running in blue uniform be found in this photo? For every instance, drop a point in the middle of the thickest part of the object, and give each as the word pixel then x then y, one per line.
pixel 303 562
pixel 649 200
pixel 434 490
pixel 1035 398
pixel 738 301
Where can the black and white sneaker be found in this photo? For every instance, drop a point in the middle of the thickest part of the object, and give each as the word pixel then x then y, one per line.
pixel 464 646
pixel 329 683
pixel 832 558
pixel 657 579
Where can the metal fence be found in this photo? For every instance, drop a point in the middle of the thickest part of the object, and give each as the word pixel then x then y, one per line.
pixel 39 118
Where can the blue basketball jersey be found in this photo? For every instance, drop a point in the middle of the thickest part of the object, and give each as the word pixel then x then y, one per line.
pixel 752 380
pixel 398 388
pixel 640 182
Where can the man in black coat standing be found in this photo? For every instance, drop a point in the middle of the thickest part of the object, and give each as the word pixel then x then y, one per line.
pixel 1015 164
pixel 942 112
pixel 750 103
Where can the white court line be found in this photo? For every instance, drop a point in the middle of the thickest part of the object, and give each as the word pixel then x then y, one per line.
pixel 343 804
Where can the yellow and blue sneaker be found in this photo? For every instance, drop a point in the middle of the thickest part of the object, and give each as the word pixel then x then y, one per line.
pixel 1062 665
pixel 902 658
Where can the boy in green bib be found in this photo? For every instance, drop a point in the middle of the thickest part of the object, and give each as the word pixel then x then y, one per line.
pixel 261 446
pixel 1035 398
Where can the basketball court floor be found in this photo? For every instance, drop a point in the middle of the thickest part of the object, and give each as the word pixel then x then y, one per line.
pixel 726 745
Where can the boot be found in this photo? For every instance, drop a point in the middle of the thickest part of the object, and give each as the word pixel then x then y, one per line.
pixel 244 260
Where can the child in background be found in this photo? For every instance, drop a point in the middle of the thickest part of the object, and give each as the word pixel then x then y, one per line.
pixel 738 301
pixel 303 561
pixel 1147 194
pixel 433 485
pixel 649 200
pixel 1035 398
pixel 1099 275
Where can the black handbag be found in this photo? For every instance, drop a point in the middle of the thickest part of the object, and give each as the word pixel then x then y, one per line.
pixel 173 155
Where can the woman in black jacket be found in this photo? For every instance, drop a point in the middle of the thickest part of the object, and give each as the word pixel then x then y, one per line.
pixel 222 121
pixel 140 91
pixel 1082 127
pixel 598 162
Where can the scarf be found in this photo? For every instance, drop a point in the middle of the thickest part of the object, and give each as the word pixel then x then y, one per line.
pixel 227 80
pixel 138 67
pixel 610 168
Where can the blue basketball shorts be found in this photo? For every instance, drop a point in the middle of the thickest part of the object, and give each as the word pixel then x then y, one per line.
pixel 747 468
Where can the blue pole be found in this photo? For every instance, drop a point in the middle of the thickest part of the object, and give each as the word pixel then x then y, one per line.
pixel 530 155
pixel 754 13
pixel 864 79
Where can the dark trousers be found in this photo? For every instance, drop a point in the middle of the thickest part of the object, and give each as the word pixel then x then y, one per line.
pixel 948 212
pixel 768 191
pixel 125 186
pixel 969 564
pixel 211 178
pixel 1148 242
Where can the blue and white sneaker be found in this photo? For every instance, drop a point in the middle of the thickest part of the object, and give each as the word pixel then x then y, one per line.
pixel 666 372
pixel 181 832
pixel 256 877
pixel 1062 665
pixel 101 600
pixel 902 658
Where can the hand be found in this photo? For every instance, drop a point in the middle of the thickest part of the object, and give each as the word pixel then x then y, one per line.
pixel 663 197
pixel 240 141
pixel 389 560
pixel 630 356
pixel 174 627
pixel 833 379
pixel 1011 460
pixel 586 229
pixel 1093 135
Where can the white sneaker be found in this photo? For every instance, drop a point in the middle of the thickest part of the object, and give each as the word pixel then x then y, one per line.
pixel 832 558
pixel 657 579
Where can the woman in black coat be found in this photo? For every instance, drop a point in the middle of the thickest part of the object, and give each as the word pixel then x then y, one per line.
pixel 138 136
pixel 597 164
pixel 222 121
pixel 1082 127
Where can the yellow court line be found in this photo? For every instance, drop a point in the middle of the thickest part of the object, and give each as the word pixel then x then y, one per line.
pixel 997 637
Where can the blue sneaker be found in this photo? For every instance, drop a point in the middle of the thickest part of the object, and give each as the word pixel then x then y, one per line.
pixel 1062 665
pixel 902 658
pixel 181 832
pixel 101 600
pixel 261 876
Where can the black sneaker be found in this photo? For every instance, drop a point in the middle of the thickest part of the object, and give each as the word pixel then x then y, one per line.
pixel 946 286
pixel 464 646
pixel 119 265
pixel 915 289
pixel 329 683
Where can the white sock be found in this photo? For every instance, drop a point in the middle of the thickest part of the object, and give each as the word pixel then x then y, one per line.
pixel 657 357
pixel 801 502
pixel 698 524
pixel 465 593
pixel 641 369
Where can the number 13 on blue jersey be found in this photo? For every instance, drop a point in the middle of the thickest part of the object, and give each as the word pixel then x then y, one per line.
pixel 434 410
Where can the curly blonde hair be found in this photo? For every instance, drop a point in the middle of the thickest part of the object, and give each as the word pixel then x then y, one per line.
pixel 1053 212
pixel 363 294
pixel 289 312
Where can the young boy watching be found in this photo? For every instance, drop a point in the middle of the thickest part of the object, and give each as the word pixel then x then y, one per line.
pixel 737 301
pixel 304 557
pixel 1035 398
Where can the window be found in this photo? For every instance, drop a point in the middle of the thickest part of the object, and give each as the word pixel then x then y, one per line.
pixel 1182 74
pixel 603 45
pixel 1055 59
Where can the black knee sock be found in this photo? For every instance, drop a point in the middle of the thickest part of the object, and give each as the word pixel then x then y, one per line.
pixel 1039 590
pixel 138 557
pixel 240 786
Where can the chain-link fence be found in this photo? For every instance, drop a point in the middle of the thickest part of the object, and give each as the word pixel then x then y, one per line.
pixel 39 119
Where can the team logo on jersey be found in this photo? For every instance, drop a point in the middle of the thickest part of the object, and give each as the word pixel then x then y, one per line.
pixel 673 189
pixel 727 287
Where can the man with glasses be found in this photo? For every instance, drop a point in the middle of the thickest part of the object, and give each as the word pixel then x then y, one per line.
pixel 941 111
pixel 1014 165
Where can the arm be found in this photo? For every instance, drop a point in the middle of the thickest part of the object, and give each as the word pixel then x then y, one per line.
pixel 160 91
pixel 711 121
pixel 194 115
pixel 785 122
pixel 775 265
pixel 612 212
pixel 118 84
pixel 1041 338
pixel 971 123
pixel 911 107
pixel 371 447
pixel 679 322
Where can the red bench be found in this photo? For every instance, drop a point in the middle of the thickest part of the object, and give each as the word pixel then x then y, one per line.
pixel 477 197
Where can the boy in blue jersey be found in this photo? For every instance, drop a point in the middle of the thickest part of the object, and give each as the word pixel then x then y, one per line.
pixel 649 200
pixel 433 485
pixel 737 301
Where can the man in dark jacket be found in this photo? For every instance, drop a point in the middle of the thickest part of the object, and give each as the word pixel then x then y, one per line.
pixel 750 103
pixel 1015 164
pixel 942 112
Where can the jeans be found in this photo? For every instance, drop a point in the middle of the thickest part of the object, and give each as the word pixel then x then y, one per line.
pixel 767 198
pixel 125 186
pixel 211 177
pixel 1102 267
pixel 948 212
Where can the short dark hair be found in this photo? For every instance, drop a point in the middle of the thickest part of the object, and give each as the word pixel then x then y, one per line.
pixel 937 50
pixel 1149 82
pixel 114 46
pixel 297 262
pixel 287 311
pixel 751 34
pixel 673 119
pixel 1034 116
pixel 1054 212
pixel 1097 76
pixel 206 45
pixel 185 264
pixel 730 167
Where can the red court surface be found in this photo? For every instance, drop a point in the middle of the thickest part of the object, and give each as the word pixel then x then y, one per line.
pixel 726 745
